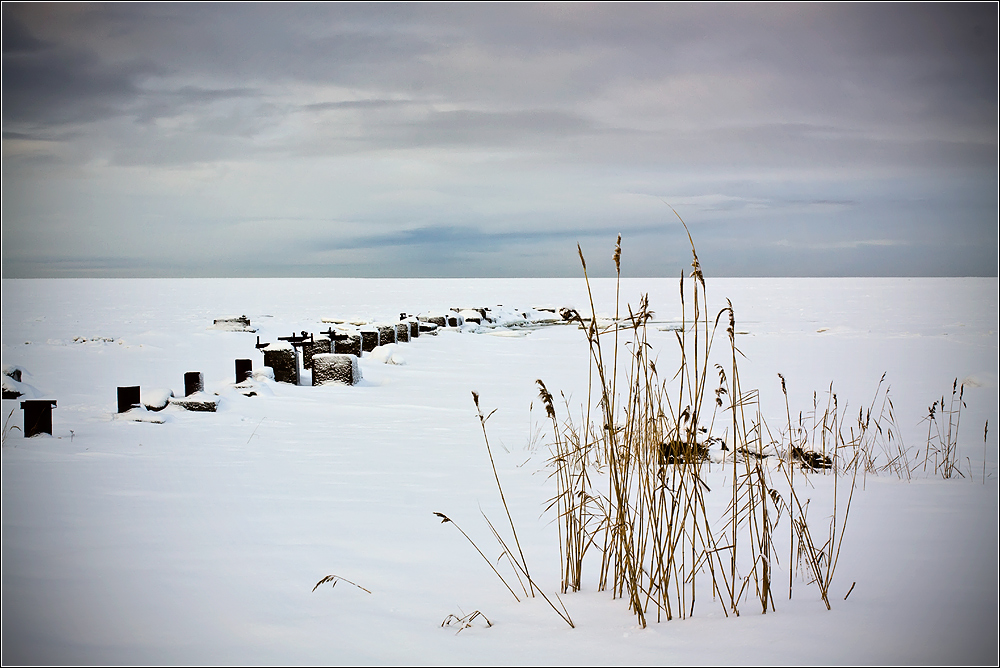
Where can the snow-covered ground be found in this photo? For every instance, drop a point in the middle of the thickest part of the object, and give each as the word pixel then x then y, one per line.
pixel 199 539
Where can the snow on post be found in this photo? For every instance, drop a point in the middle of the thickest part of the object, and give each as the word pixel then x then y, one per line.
pixel 155 399
pixel 473 315
pixel 199 401
pixel 332 368
pixel 233 324
pixel 12 382
pixel 434 319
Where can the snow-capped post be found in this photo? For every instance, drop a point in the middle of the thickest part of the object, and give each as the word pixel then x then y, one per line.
pixel 412 325
pixel 233 324
pixel 438 320
pixel 193 382
pixel 283 361
pixel 38 416
pixel 402 332
pixel 11 382
pixel 332 368
pixel 244 370
pixel 128 398
pixel 473 315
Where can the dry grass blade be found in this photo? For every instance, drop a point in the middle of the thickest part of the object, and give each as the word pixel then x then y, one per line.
pixel 7 429
pixel 465 621
pixel 447 520
pixel 335 579
pixel 489 451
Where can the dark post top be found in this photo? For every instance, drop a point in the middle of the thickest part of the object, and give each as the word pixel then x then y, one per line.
pixel 30 403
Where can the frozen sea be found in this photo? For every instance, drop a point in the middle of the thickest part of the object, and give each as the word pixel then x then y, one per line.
pixel 199 539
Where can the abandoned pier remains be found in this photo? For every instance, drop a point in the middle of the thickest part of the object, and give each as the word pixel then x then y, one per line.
pixel 332 356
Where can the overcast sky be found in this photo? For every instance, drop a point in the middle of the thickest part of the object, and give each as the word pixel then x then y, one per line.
pixel 488 140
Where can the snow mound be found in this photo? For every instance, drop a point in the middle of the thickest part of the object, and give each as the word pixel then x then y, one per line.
pixel 156 399
pixel 140 414
pixel 13 387
pixel 387 354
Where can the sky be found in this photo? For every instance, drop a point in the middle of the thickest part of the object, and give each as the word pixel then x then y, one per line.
pixel 488 140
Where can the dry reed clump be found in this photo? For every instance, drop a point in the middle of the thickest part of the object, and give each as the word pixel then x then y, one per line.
pixel 942 445
pixel 631 477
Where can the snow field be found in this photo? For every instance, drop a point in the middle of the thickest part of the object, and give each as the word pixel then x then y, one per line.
pixel 200 539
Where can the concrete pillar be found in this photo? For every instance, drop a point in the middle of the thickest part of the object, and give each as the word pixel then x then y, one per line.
pixel 244 370
pixel 332 368
pixel 193 382
pixel 283 361
pixel 349 346
pixel 386 334
pixel 318 345
pixel 128 397
pixel 38 416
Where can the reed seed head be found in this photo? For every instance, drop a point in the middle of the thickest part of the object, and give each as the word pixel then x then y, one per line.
pixel 546 399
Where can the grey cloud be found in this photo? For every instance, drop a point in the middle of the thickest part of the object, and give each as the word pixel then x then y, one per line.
pixel 464 237
pixel 17 39
pixel 356 104
pixel 494 128
pixel 51 83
